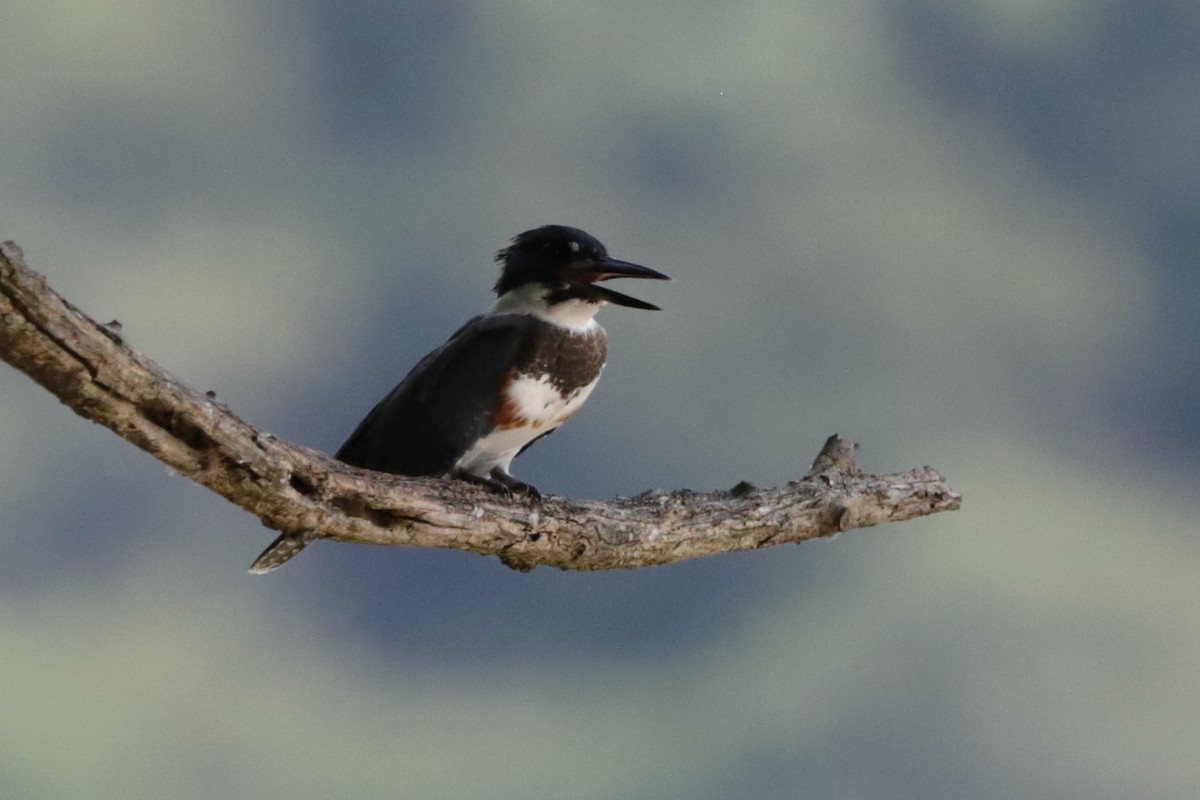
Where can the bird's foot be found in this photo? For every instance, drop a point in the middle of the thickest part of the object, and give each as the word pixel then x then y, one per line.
pixel 506 484
pixel 500 482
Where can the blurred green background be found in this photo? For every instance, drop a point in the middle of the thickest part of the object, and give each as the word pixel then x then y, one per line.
pixel 961 233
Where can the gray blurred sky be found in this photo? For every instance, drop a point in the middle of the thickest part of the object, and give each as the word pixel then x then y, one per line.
pixel 962 234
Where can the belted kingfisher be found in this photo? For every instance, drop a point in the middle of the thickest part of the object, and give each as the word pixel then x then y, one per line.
pixel 504 379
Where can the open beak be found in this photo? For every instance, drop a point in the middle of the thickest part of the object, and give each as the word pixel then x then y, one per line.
pixel 605 269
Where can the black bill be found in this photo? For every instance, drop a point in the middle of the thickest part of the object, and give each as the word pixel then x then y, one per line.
pixel 610 268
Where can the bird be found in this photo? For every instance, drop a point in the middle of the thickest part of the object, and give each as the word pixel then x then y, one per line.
pixel 502 381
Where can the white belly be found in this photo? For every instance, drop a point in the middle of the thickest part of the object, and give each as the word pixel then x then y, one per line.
pixel 537 408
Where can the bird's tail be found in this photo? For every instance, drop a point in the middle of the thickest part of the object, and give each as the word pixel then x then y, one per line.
pixel 282 550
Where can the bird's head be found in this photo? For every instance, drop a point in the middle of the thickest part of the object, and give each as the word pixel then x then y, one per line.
pixel 569 264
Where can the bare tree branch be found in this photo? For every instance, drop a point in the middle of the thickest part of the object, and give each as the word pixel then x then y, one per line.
pixel 306 493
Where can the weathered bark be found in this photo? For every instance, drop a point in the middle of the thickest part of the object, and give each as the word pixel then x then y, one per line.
pixel 297 490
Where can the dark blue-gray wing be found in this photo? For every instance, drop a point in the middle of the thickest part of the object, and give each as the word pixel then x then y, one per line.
pixel 444 404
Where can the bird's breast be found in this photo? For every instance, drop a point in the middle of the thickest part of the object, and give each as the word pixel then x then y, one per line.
pixel 555 375
pixel 537 403
pixel 549 383
pixel 530 406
